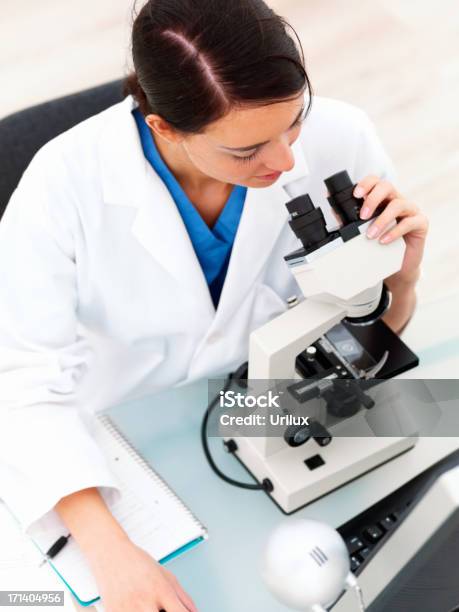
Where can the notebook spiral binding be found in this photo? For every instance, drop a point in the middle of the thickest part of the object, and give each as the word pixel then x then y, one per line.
pixel 110 426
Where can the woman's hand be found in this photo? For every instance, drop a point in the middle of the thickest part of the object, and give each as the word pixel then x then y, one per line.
pixel 129 580
pixel 412 224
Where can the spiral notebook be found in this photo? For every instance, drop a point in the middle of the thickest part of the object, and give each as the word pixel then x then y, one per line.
pixel 153 516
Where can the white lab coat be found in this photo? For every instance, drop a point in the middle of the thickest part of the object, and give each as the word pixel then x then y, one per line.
pixel 102 297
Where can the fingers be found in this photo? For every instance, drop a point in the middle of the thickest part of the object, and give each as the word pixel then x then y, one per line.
pixel 181 594
pixel 186 600
pixel 408 225
pixel 135 604
pixel 172 604
pixel 365 185
pixel 374 191
pixel 395 209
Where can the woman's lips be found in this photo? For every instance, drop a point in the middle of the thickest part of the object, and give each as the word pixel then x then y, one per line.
pixel 270 177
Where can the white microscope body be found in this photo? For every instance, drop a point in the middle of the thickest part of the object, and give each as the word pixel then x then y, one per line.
pixel 341 278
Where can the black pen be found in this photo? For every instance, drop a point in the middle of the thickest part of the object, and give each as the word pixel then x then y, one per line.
pixel 56 548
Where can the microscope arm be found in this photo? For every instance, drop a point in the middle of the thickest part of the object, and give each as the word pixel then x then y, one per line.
pixel 273 348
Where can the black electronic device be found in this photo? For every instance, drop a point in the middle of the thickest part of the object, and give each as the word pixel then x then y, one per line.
pixel 429 581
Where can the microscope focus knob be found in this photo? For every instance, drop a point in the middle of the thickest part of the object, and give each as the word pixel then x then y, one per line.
pixel 296 435
pixel 320 434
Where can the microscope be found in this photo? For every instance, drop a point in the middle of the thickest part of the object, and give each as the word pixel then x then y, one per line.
pixel 330 349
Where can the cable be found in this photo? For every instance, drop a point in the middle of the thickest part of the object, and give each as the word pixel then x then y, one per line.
pixel 264 486
pixel 352 582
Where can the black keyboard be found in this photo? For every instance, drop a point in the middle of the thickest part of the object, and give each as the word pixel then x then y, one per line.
pixel 366 533
pixel 373 529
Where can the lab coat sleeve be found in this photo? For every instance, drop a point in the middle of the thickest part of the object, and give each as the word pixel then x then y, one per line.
pixel 46 449
pixel 371 155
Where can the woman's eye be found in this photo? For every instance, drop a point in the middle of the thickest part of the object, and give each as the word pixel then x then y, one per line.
pixel 298 122
pixel 251 157
pixel 246 159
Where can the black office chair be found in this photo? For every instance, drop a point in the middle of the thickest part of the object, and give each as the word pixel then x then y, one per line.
pixel 25 132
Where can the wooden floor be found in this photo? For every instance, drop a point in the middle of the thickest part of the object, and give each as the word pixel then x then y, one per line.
pixel 397 59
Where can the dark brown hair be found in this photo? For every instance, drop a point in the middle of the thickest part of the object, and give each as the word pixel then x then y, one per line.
pixel 194 60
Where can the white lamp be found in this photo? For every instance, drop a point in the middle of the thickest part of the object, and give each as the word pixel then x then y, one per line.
pixel 306 566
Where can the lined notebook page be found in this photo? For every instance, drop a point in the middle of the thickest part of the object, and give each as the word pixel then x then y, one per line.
pixel 150 512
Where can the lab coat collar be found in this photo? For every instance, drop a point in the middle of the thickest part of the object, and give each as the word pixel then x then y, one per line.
pixel 129 180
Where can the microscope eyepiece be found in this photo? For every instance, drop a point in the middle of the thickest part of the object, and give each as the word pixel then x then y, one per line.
pixel 307 222
pixel 300 205
pixel 341 198
pixel 338 182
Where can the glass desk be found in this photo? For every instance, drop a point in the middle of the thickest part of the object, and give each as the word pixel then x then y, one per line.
pixel 223 573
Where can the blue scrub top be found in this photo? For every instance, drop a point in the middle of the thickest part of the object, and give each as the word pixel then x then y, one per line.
pixel 212 245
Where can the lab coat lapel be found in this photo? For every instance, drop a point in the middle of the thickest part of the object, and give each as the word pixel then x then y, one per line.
pixel 129 180
pixel 263 218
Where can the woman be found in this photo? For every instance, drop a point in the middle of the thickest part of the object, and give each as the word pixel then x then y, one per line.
pixel 142 247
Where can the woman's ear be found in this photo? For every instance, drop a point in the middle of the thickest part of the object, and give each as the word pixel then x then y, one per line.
pixel 163 129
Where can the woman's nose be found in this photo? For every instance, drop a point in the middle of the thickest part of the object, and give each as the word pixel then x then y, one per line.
pixel 280 157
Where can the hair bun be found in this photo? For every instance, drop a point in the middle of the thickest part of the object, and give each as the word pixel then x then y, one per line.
pixel 132 87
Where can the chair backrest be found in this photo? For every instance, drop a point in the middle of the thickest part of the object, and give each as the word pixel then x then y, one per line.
pixel 25 132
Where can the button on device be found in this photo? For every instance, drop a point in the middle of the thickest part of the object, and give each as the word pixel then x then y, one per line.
pixel 355 563
pixel 387 523
pixel 365 552
pixel 373 534
pixel 354 545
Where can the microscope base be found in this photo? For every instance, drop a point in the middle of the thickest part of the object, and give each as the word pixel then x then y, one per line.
pixel 303 474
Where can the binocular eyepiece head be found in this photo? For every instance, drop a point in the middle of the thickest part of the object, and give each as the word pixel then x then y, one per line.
pixel 308 222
